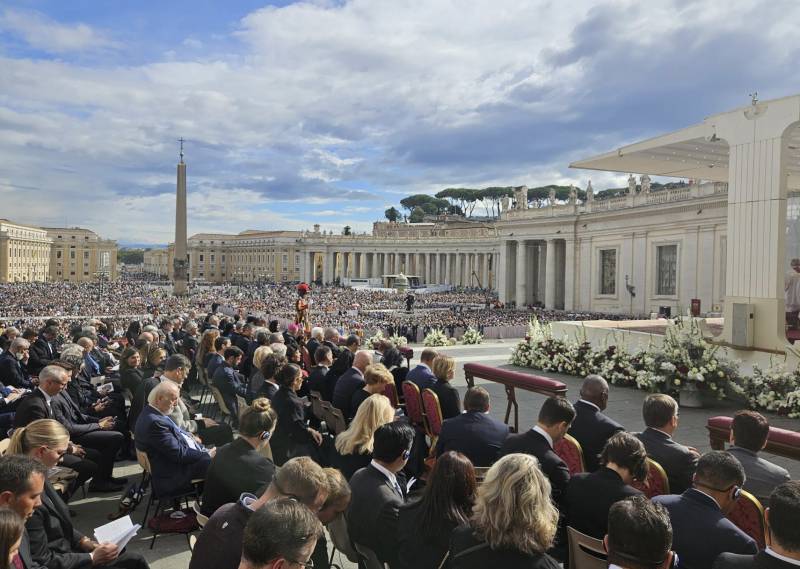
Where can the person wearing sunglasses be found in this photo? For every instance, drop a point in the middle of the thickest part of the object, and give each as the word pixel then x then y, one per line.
pixel 282 535
pixel 701 530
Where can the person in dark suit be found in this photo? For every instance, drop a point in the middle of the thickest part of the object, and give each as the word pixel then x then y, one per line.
pixel 474 433
pixel 701 530
pixel 783 549
pixel 283 533
pixel 175 457
pixel 344 360
pixel 376 378
pixel 315 342
pixel 43 351
pixel 318 378
pixel 230 382
pixel 168 342
pixel 660 413
pixel 354 445
pixel 590 495
pixel 749 434
pixel 591 427
pixel 13 364
pixel 639 535
pixel 496 535
pixel 422 374
pixel 269 368
pixel 239 466
pixel 38 403
pixel 378 491
pixel 293 437
pixel 331 339
pixel 54 542
pixel 425 524
pixel 21 488
pixel 350 382
pixel 393 360
pixel 554 420
pixel 444 368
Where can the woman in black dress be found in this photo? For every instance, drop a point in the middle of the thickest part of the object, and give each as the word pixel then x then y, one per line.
pixel 293 437
pixel 130 376
pixel 393 360
pixel 444 368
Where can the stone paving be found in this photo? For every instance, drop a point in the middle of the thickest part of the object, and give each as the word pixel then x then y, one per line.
pixel 172 552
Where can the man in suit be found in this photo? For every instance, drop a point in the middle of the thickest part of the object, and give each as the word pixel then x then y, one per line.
pixel 639 535
pixel 421 374
pixel 21 487
pixel 281 534
pixel 230 382
pixel 43 351
pixel 378 491
pixel 315 342
pixel 13 364
pixel 749 436
pixel 783 537
pixel 701 530
pixel 591 494
pixel 351 381
pixel 344 360
pixel 168 343
pixel 555 417
pixel 660 413
pixel 331 339
pixel 591 427
pixel 176 458
pixel 38 403
pixel 474 433
pixel 318 378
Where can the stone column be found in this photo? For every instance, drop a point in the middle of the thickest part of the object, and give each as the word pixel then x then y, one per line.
pixel 522 257
pixel 485 271
pixel 448 269
pixel 180 266
pixel 569 274
pixel 550 275
pixel 541 271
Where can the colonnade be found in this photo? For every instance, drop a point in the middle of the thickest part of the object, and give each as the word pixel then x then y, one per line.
pixel 468 269
pixel 537 271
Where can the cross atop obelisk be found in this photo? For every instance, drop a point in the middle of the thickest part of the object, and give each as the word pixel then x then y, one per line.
pixel 180 263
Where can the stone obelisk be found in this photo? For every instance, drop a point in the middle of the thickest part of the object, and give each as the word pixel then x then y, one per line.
pixel 180 265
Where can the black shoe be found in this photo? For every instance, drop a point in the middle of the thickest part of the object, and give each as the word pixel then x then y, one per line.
pixel 104 486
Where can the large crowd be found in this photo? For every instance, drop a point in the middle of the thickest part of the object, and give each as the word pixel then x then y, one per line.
pixel 312 445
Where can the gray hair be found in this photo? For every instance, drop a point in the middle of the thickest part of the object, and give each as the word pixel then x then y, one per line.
pixel 20 342
pixel 278 349
pixel 160 390
pixel 52 373
pixel 317 333
pixel 73 354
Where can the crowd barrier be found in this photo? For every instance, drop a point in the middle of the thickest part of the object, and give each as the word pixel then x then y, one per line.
pixel 781 442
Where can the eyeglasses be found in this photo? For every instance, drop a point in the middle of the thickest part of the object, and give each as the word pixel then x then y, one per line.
pixel 737 491
pixel 306 565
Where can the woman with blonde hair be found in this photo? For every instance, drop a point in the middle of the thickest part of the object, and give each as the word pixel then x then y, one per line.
pixel 376 378
pixel 514 520
pixel 354 446
pixel 257 376
pixel 444 368
pixel 152 360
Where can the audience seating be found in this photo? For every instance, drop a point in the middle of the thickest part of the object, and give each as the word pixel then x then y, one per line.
pixel 223 408
pixel 202 520
pixel 408 353
pixel 414 408
pixel 748 516
pixel 656 483
pixel 4 444
pixel 571 453
pixel 316 404
pixel 512 380
pixel 333 417
pixel 307 363
pixel 781 442
pixel 585 552
pixel 192 542
pixel 433 414
pixel 390 391
pixel 202 379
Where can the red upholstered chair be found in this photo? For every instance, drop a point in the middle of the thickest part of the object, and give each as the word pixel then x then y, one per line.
pixel 657 482
pixel 748 516
pixel 571 453
pixel 414 407
pixel 433 413
pixel 390 391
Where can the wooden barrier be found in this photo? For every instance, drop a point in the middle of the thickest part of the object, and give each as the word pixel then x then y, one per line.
pixel 512 380
pixel 780 441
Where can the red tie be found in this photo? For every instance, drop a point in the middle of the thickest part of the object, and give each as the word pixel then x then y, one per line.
pixel 17 562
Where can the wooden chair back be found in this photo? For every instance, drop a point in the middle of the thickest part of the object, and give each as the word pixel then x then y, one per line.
pixel 585 552
pixel 748 516
pixel 657 483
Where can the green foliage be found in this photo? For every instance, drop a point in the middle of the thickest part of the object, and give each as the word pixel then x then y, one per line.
pixel 417 215
pixel 131 256
pixel 392 214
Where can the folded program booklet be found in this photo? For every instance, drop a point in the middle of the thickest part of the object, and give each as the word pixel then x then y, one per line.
pixel 120 532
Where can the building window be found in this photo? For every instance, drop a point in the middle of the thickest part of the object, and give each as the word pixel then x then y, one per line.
pixel 72 254
pixel 86 254
pixel 666 270
pixel 201 258
pixel 212 258
pixel 58 254
pixel 608 271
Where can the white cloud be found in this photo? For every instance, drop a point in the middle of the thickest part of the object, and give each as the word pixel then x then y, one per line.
pixel 41 32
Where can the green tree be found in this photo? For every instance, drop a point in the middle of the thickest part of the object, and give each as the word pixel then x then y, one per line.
pixel 417 215
pixel 494 196
pixel 392 214
pixel 130 256
pixel 417 200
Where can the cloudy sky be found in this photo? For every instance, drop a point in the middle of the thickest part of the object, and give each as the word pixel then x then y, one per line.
pixel 331 111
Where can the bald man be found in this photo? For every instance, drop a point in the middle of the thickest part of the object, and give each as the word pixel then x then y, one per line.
pixel 591 427
pixel 351 381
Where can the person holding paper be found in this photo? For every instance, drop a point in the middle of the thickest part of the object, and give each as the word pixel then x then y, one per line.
pixel 54 542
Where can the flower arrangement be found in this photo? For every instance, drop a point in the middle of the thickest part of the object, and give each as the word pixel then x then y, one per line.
pixel 774 389
pixel 435 338
pixel 396 340
pixel 472 336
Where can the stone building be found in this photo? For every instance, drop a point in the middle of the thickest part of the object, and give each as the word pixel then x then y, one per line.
pixel 158 261
pixel 24 253
pixel 80 255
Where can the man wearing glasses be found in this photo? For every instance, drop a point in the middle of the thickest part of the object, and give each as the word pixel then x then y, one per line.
pixel 281 534
pixel 700 529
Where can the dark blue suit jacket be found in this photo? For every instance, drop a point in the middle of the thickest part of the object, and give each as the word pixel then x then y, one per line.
pixel 173 462
pixel 477 435
pixel 700 531
pixel 12 372
pixel 422 376
pixel 592 429
pixel 348 383
pixel 228 381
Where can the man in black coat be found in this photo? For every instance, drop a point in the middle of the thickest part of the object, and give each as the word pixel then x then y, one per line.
pixel 591 427
pixel 783 551
pixel 43 350
pixel 660 413
pixel 38 403
pixel 474 433
pixel 701 530
pixel 555 417
pixel 639 535
pixel 14 364
pixel 315 342
pixel 318 378
pixel 378 491
pixel 351 381
pixel 344 360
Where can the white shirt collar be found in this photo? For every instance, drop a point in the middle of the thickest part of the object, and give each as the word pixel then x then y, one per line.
pixel 545 434
pixel 47 397
pixel 589 403
pixel 775 554
pixel 388 474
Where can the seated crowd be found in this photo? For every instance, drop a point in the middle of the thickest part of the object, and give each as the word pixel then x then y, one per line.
pixel 277 483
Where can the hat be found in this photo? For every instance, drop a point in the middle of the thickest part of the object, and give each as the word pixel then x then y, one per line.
pixel 303 288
